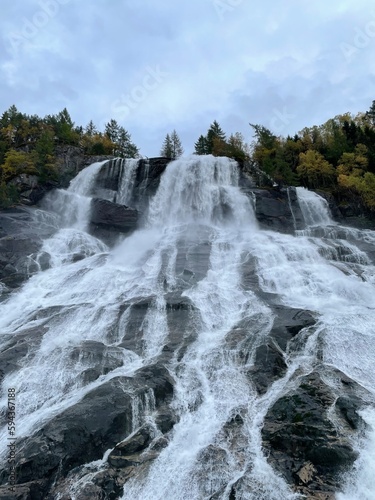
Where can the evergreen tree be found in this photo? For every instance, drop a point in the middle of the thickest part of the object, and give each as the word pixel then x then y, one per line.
pixel 90 129
pixel 64 127
pixel 177 149
pixel 121 139
pixel 166 149
pixel 64 117
pixel 112 130
pixel 125 148
pixel 214 132
pixel 201 147
pixel 14 116
pixel 172 147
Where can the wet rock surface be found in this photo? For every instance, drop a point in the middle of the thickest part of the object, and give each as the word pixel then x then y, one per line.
pixel 113 216
pixel 270 357
pixel 98 422
pixel 146 182
pixel 307 433
pixel 278 209
pixel 18 346
pixel 21 239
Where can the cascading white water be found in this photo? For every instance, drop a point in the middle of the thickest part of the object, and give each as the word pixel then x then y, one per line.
pixel 73 204
pixel 127 180
pixel 199 208
pixel 314 208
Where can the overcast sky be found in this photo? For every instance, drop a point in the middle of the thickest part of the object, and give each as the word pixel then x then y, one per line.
pixel 173 64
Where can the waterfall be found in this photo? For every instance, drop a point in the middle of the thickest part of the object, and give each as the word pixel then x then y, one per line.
pixel 73 204
pixel 195 290
pixel 314 208
pixel 127 180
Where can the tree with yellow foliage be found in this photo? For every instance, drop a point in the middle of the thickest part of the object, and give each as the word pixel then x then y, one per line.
pixel 314 171
pixel 16 163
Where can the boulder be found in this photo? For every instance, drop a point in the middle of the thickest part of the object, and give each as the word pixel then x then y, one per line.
pixel 113 216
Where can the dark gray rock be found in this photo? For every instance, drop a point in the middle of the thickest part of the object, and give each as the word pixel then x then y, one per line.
pixel 18 346
pixel 30 190
pixel 146 182
pixel 269 365
pixel 29 491
pixel 278 209
pixel 136 442
pixel 100 359
pixel 303 443
pixel 83 432
pixel 181 317
pixel 21 238
pixel 127 453
pixel 112 216
pixel 147 179
pixel 15 252
pixel 269 362
pixel 70 160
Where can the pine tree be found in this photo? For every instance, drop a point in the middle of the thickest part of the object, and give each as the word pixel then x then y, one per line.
pixel 90 129
pixel 125 148
pixel 172 147
pixel 166 149
pixel 177 149
pixel 123 145
pixel 112 130
pixel 64 117
pixel 201 147
pixel 64 127
pixel 215 131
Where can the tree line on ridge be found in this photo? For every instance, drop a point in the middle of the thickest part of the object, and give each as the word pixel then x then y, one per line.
pixel 337 156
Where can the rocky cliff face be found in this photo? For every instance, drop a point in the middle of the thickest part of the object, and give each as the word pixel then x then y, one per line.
pixel 308 430
pixel 69 161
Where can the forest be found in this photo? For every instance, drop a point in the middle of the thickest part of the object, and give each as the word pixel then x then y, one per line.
pixel 337 157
